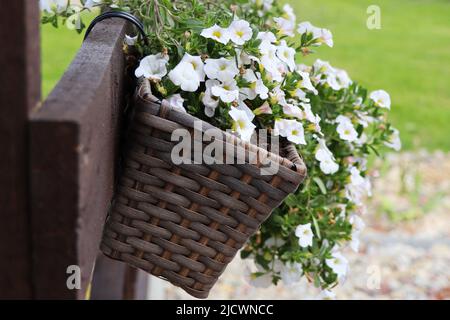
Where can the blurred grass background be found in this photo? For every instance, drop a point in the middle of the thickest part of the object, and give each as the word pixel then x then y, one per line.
pixel 409 57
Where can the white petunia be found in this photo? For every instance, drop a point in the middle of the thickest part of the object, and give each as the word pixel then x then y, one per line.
pixel 305 235
pixel 285 27
pixel 176 101
pixel 211 102
pixel 294 132
pixel 217 33
pixel 326 158
pixel 306 83
pixel 345 129
pixel 358 188
pixel 197 64
pixel 381 99
pixel 91 3
pixel 243 107
pixel 357 226
pixel 221 69
pixel 257 86
pixel 270 62
pixel 50 6
pixel 263 109
pixel 292 111
pixel 278 96
pixel 266 36
pixel 319 35
pixel 286 54
pixel 338 263
pixel 291 273
pixel 394 140
pixel 227 91
pixel 289 13
pixel 184 76
pixel 240 32
pixel 244 58
pixel 153 67
pixel 257 280
pixel 130 41
pixel 326 295
pixel 242 124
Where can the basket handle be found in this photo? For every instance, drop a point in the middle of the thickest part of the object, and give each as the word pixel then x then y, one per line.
pixel 118 14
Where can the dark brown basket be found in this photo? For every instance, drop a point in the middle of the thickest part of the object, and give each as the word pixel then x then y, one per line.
pixel 185 223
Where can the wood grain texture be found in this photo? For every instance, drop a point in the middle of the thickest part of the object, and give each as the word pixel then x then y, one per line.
pixel 19 92
pixel 73 153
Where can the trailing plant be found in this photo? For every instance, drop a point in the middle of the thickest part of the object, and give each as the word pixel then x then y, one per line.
pixel 238 65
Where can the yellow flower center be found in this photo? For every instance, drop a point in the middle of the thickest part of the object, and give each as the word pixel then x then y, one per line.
pixel 194 65
pixel 241 124
pixel 226 87
pixel 294 132
pixel 347 132
pixel 240 33
pixel 222 67
pixel 217 34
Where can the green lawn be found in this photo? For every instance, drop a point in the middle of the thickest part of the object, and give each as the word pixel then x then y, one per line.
pixel 409 57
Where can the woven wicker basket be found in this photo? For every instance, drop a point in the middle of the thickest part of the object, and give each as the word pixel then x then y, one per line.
pixel 185 223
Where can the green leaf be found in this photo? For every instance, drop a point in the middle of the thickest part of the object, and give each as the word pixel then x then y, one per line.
pixel 316 227
pixel 320 184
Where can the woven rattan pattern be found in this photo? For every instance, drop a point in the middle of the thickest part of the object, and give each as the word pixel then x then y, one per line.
pixel 185 223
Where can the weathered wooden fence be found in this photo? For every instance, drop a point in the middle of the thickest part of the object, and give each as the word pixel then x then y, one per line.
pixel 58 163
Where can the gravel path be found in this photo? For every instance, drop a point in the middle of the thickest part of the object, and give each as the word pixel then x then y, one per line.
pixel 405 248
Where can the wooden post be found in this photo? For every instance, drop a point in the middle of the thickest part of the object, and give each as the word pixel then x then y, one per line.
pixel 19 92
pixel 73 147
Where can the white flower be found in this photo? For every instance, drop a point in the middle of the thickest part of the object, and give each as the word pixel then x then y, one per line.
pixel 320 35
pixel 286 54
pixel 263 109
pixel 130 41
pixel 291 129
pixel 257 86
pixel 357 226
pixel 338 263
pixel 292 110
pixel 256 280
pixel 242 124
pixel 289 13
pixel 381 99
pixel 326 159
pixel 291 273
pixel 197 64
pixel 53 5
pixel 211 102
pixel 176 101
pixel 305 83
pixel 326 295
pixel 244 58
pixel 217 33
pixel 358 186
pixel 184 76
pixel 345 129
pixel 243 107
pixel 91 3
pixel 153 67
pixel 274 242
pixel 285 27
pixel 221 69
pixel 227 91
pixel 266 36
pixel 240 32
pixel 394 140
pixel 269 60
pixel 278 96
pixel 304 234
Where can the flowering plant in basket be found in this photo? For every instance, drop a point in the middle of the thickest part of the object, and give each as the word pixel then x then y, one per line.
pixel 238 65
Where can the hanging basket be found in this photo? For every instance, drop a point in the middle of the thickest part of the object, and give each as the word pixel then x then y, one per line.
pixel 186 222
